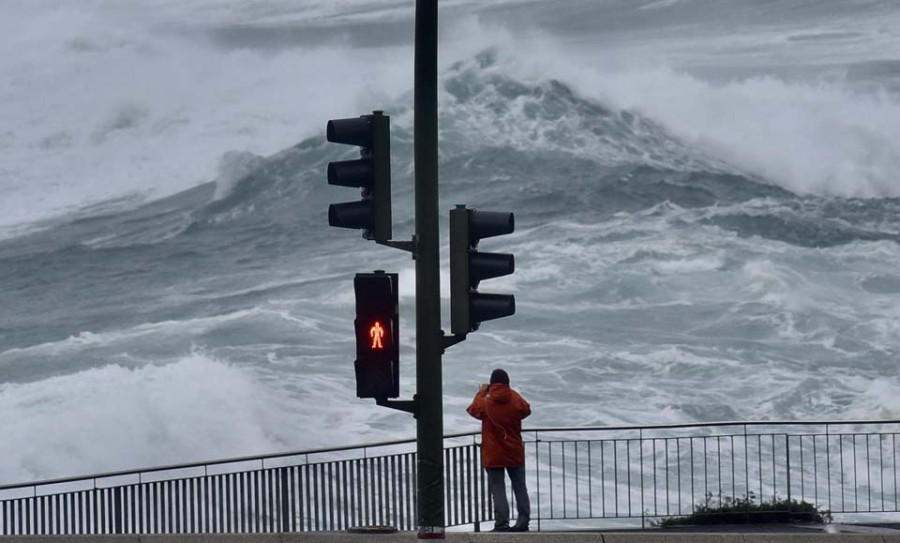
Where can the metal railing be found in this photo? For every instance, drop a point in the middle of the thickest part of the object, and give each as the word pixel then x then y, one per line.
pixel 574 475
pixel 317 490
pixel 661 471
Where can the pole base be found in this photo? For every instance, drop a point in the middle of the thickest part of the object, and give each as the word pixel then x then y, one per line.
pixel 431 532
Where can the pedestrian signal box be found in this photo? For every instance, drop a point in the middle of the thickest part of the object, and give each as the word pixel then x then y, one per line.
pixel 377 335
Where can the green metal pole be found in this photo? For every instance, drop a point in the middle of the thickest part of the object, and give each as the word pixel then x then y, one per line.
pixel 429 382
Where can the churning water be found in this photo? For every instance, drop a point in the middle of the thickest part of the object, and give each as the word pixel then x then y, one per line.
pixel 707 199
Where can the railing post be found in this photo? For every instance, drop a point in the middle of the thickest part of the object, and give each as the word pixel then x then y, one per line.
pixel 747 473
pixel 537 476
pixel 474 467
pixel 828 463
pixel 787 448
pixel 118 510
pixel 474 503
pixel 285 516
pixel 641 445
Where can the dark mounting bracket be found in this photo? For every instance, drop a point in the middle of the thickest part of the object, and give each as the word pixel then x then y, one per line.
pixel 410 406
pixel 411 246
pixel 450 341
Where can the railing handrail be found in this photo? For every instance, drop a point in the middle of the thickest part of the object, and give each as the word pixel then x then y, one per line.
pixel 708 425
pixel 288 454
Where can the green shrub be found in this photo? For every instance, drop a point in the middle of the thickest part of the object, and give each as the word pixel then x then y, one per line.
pixel 746 510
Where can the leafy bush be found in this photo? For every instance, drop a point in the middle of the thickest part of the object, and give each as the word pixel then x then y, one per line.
pixel 747 510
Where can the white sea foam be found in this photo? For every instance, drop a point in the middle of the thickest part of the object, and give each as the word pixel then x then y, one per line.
pixel 689 265
pixel 157 414
pixel 876 397
pixel 100 104
pixel 97 104
pixel 809 138
pixel 282 12
pixel 191 409
pixel 815 137
pixel 234 166
pixel 168 331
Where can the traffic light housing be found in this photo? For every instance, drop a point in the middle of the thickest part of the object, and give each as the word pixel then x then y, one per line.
pixel 371 173
pixel 377 335
pixel 468 266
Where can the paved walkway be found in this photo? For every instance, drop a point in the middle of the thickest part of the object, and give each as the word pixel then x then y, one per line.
pixel 760 533
pixel 836 528
pixel 727 534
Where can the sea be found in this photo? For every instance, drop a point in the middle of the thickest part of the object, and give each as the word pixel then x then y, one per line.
pixel 706 196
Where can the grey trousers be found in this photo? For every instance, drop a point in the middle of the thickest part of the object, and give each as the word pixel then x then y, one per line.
pixel 497 487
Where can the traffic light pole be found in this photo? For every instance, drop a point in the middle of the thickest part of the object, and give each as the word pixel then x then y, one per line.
pixel 372 215
pixel 429 337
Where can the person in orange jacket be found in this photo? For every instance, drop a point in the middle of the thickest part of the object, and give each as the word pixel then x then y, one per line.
pixel 501 410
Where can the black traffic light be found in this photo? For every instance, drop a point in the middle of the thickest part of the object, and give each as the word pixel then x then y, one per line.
pixel 468 307
pixel 377 335
pixel 371 173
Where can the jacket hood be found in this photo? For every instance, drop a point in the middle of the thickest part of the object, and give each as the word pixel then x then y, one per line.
pixel 499 394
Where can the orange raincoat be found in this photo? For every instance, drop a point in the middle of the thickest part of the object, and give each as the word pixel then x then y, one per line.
pixel 500 410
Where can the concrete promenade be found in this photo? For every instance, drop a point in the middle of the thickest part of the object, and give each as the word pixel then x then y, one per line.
pixel 654 536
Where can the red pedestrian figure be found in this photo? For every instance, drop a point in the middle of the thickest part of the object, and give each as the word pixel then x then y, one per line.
pixel 376 333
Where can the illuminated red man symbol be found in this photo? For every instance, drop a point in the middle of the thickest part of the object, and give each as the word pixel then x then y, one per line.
pixel 376 332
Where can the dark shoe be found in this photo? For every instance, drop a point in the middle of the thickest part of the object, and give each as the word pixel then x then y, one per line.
pixel 501 529
pixel 517 528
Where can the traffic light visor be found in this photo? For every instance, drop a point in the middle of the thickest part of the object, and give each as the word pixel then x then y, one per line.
pixel 351 173
pixel 485 307
pixel 487 265
pixel 485 224
pixel 352 215
pixel 353 131
pixel 376 295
